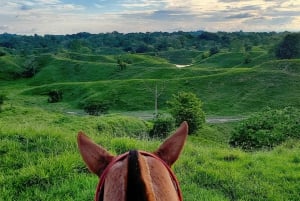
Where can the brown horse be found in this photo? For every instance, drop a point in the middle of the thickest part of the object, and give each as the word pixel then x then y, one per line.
pixel 135 175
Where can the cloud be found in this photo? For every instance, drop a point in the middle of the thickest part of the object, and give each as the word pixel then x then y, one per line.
pixel 240 16
pixel 4 27
pixel 69 16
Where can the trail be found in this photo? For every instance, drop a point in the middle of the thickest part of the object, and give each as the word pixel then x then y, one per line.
pixel 223 119
pixel 149 115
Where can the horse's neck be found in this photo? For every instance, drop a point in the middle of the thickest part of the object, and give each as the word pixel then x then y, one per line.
pixel 156 178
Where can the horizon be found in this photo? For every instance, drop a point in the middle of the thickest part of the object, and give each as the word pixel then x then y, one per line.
pixel 201 31
pixel 62 17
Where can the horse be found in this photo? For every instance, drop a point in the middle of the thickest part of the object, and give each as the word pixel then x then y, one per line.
pixel 135 175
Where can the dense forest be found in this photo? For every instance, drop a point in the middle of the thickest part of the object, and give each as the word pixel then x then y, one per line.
pixel 140 42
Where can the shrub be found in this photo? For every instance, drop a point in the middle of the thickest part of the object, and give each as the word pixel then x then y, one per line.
pixel 267 129
pixel 2 97
pixel 247 59
pixel 162 126
pixel 55 96
pixel 186 106
pixel 96 107
pixel 2 53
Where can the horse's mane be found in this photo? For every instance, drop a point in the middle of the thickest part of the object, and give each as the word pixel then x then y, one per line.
pixel 136 187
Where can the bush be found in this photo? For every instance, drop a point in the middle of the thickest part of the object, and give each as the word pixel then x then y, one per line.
pixel 96 107
pixel 2 53
pixel 2 98
pixel 267 129
pixel 186 106
pixel 162 126
pixel 55 96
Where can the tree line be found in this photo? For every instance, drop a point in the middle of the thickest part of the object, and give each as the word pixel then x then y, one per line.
pixel 115 42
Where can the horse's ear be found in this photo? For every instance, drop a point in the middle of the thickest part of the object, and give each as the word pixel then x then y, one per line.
pixel 170 150
pixel 95 157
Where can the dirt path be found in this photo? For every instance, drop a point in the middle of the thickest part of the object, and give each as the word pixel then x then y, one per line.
pixel 223 119
pixel 148 115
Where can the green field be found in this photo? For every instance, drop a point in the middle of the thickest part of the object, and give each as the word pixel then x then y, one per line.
pixel 39 159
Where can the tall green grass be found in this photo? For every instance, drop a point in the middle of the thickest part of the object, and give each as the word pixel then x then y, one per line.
pixel 40 161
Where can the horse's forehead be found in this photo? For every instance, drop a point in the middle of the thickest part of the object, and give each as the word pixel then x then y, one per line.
pixel 162 183
pixel 155 173
pixel 115 183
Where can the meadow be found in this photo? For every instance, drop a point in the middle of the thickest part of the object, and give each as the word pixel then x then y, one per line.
pixel 39 159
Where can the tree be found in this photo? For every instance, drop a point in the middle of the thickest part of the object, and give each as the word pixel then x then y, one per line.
pixel 185 106
pixel 213 50
pixel 289 47
pixel 122 65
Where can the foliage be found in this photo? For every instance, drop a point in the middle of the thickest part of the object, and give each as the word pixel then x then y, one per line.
pixel 214 50
pixel 96 108
pixel 55 96
pixel 31 67
pixel 289 47
pixel 267 129
pixel 247 58
pixel 162 126
pixel 121 64
pixel 185 106
pixel 114 43
pixel 2 53
pixel 2 98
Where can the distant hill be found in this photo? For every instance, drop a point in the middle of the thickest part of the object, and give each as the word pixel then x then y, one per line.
pixel 232 73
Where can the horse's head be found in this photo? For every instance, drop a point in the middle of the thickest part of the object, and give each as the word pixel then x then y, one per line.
pixel 135 175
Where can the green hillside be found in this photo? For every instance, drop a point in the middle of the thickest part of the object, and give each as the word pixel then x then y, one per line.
pixel 9 67
pixel 224 90
pixel 39 158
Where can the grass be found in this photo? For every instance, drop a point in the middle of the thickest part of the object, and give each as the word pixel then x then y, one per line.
pixel 222 82
pixel 39 159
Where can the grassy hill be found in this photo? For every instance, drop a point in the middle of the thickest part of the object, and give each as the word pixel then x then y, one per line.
pixel 10 67
pixel 223 89
pixel 38 152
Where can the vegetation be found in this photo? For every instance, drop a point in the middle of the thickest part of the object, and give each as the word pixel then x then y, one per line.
pixel 162 126
pixel 267 129
pixel 55 96
pixel 289 47
pixel 38 153
pixel 96 107
pixel 2 98
pixel 185 106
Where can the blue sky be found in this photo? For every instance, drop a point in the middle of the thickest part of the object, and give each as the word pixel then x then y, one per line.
pixel 96 16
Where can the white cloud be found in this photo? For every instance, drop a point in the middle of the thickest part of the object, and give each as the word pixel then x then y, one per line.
pixel 57 17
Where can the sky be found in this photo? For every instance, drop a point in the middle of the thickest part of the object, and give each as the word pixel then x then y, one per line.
pixel 41 17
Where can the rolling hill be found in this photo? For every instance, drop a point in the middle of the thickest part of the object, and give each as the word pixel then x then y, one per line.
pixel 222 82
